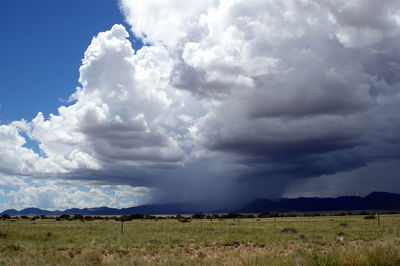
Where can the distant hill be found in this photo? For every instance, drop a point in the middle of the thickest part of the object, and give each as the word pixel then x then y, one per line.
pixel 373 201
pixel 178 208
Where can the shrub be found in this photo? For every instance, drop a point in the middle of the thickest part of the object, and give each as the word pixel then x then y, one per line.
pixel 65 217
pixel 264 215
pixel 198 216
pixel 89 218
pixel 312 214
pixel 275 214
pixel 290 230
pixel 136 216
pixel 370 217
pixel 232 215
pixel 5 216
pixel 78 217
pixel 183 219
pixel 123 218
pixel 14 247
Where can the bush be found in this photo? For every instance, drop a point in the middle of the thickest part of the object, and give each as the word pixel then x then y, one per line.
pixel 89 218
pixel 198 216
pixel 123 218
pixel 78 217
pixel 264 215
pixel 291 215
pixel 232 215
pixel 275 214
pixel 149 217
pixel 14 247
pixel 312 214
pixel 183 219
pixel 65 217
pixel 5 217
pixel 136 216
pixel 290 230
pixel 370 217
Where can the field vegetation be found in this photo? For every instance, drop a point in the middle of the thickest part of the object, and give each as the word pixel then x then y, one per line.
pixel 266 239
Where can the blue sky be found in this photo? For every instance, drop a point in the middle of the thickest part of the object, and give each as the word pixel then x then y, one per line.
pixel 41 49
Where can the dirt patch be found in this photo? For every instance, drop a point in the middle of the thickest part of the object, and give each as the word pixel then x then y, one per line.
pixel 107 258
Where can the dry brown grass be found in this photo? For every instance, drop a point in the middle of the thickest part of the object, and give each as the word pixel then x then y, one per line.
pixel 169 242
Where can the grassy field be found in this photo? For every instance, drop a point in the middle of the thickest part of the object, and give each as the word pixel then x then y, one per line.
pixel 315 241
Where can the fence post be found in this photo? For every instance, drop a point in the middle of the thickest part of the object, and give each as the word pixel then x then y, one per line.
pixel 379 220
pixel 122 225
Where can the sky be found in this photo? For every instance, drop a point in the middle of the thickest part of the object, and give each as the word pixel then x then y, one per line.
pixel 121 103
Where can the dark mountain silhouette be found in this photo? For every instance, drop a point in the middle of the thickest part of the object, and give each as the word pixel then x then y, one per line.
pixel 31 211
pixel 373 201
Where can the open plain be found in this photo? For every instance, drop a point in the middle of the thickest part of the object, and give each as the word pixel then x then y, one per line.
pixel 320 240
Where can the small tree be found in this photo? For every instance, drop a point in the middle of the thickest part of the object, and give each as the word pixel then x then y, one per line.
pixel 65 217
pixel 78 217
pixel 5 216
pixel 136 216
pixel 198 216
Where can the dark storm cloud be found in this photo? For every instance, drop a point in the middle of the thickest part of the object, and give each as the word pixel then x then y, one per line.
pixel 320 93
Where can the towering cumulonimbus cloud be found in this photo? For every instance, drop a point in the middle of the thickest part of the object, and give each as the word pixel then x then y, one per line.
pixel 292 88
pixel 120 113
pixel 229 99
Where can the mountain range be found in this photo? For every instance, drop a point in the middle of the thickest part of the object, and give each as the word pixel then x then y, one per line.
pixel 373 201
